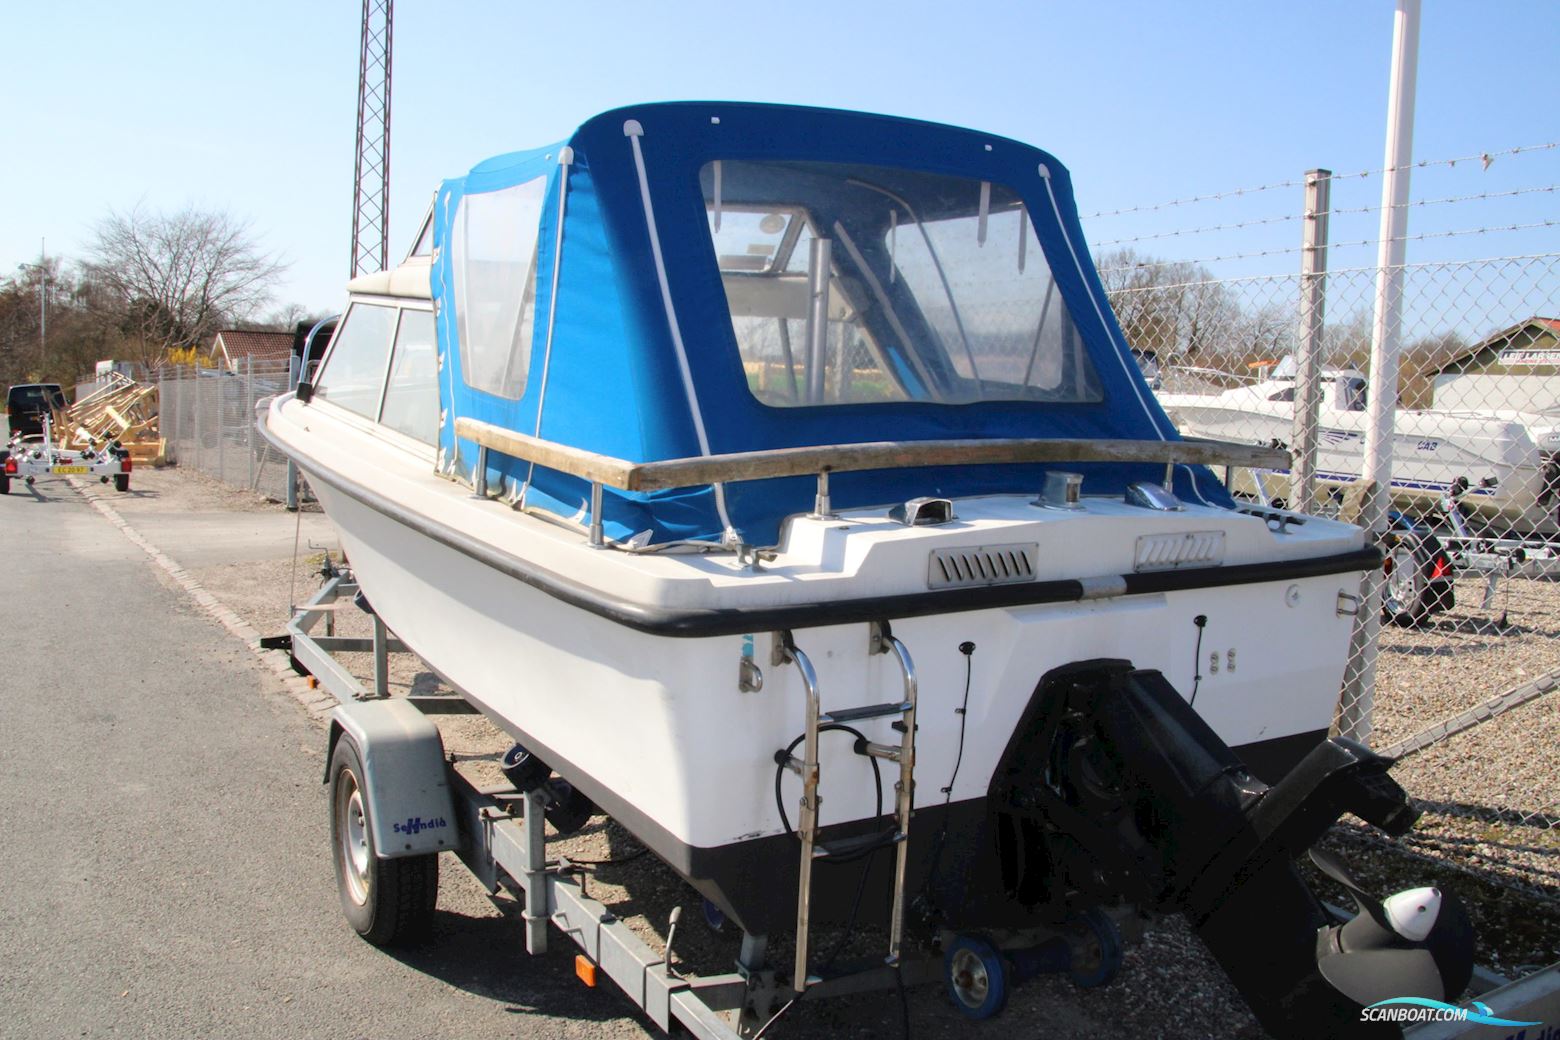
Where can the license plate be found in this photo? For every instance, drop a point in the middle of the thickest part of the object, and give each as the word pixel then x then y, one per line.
pixel 67 469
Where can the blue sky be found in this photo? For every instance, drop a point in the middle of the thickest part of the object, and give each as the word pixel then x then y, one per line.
pixel 251 108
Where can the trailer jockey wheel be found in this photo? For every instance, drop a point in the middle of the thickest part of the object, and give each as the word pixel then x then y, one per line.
pixel 977 977
pixel 387 901
pixel 1096 949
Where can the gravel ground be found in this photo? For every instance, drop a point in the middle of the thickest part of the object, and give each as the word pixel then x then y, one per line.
pixel 1491 795
pixel 1503 860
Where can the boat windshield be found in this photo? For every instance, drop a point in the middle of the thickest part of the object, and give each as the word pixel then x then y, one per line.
pixel 853 284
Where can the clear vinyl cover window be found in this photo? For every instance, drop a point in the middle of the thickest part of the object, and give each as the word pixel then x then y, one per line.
pixel 412 393
pixel 424 244
pixel 354 371
pixel 493 256
pixel 853 284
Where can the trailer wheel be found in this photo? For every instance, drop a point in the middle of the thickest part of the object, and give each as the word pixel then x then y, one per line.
pixel 5 484
pixel 1404 600
pixel 977 977
pixel 121 482
pixel 386 901
pixel 1096 951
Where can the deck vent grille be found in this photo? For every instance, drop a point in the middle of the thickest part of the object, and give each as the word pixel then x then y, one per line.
pixel 985 565
pixel 1164 552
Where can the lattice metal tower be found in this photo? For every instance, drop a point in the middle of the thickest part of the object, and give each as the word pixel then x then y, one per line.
pixel 371 176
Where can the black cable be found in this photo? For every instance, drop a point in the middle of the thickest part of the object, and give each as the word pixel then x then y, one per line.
pixel 966 648
pixel 609 862
pixel 781 757
pixel 850 922
pixel 904 1001
pixel 1201 621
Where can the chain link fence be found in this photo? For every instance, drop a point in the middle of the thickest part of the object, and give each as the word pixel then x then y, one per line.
pixel 207 418
pixel 1255 316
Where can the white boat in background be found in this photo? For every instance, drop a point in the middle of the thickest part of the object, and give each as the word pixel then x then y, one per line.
pixel 1501 466
pixel 726 454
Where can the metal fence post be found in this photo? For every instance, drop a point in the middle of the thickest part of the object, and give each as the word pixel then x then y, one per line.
pixel 1354 715
pixel 1308 359
pixel 196 451
pixel 293 375
pixel 249 414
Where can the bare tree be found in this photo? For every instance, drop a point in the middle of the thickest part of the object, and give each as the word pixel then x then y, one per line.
pixel 173 279
pixel 1176 310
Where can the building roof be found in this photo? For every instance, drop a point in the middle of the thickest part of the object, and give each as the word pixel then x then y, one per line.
pixel 1536 325
pixel 236 344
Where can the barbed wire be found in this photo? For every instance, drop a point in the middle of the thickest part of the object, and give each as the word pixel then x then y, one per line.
pixel 1337 272
pixel 1350 211
pixel 1197 231
pixel 1484 157
pixel 1282 250
pixel 1456 198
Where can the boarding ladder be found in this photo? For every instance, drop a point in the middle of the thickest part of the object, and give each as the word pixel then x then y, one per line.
pixel 882 642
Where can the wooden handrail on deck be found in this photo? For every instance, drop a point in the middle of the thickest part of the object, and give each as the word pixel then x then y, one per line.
pixel 843 458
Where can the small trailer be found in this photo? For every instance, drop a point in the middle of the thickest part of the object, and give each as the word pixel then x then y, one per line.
pixel 27 460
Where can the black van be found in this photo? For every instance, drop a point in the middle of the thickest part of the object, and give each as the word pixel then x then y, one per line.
pixel 27 404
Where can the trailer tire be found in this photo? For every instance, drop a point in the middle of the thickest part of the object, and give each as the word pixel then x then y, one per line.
pixel 1404 599
pixel 5 484
pixel 977 977
pixel 121 482
pixel 388 902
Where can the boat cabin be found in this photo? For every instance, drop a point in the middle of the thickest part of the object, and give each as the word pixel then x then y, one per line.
pixel 695 279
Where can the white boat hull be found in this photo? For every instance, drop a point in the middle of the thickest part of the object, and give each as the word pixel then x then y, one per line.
pixel 655 728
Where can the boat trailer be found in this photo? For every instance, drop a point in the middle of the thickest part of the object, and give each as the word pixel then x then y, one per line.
pixel 27 460
pixel 500 835
pixel 397 801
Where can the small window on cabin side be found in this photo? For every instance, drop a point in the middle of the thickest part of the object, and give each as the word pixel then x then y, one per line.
pixel 412 394
pixel 354 370
pixel 493 253
pixel 424 246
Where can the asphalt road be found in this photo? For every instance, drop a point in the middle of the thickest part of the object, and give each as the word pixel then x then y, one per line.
pixel 165 871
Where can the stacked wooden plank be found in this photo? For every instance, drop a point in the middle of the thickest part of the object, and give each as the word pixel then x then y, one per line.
pixel 120 410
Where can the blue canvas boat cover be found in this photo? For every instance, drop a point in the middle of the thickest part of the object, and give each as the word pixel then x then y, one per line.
pixel 698 278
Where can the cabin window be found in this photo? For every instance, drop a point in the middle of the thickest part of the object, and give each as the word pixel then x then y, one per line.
pixel 354 370
pixel 412 392
pixel 934 289
pixel 424 246
pixel 493 256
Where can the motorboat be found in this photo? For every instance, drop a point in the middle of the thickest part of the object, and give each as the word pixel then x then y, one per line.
pixel 1502 468
pixel 780 479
